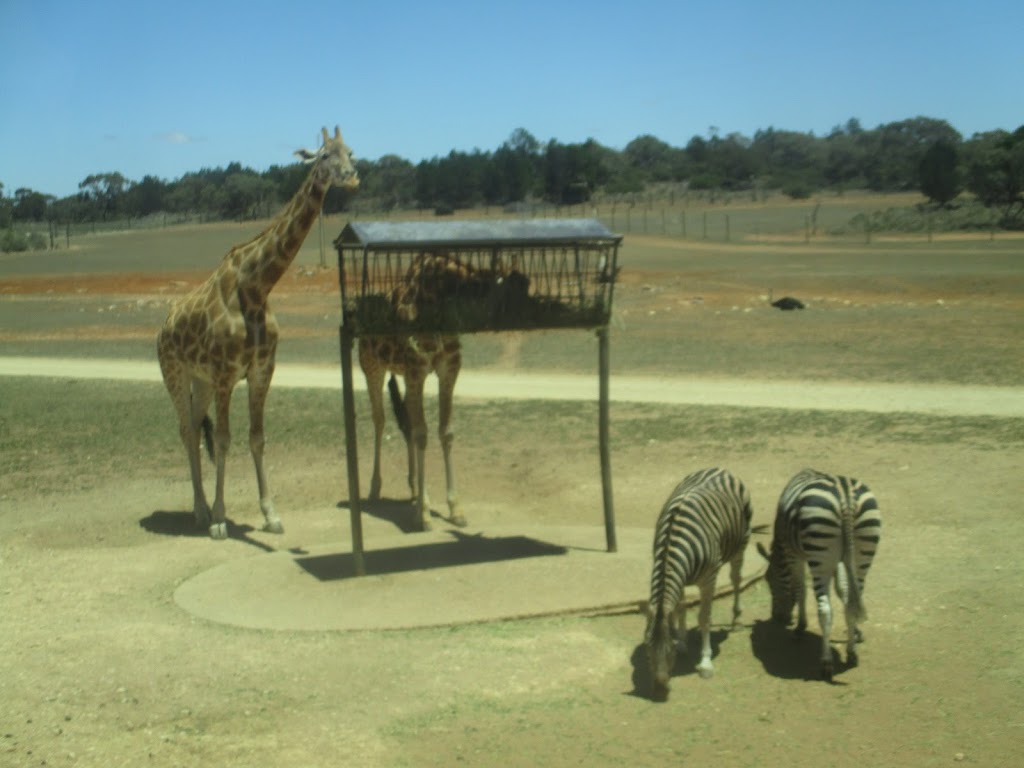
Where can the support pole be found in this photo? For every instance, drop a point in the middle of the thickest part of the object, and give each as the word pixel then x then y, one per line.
pixel 351 455
pixel 602 436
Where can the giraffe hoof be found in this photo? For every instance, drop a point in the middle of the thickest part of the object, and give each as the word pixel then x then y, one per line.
pixel 273 526
pixel 219 531
pixel 706 671
pixel 459 521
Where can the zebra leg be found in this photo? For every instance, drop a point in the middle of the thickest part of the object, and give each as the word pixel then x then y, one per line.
pixel 799 582
pixel 735 576
pixel 677 625
pixel 843 591
pixel 707 594
pixel 825 622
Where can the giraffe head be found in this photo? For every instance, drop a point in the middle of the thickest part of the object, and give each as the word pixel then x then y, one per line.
pixel 333 162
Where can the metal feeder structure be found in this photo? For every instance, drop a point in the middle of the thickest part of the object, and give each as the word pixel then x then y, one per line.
pixel 529 274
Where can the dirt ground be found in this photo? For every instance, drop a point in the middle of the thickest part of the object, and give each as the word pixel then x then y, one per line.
pixel 100 667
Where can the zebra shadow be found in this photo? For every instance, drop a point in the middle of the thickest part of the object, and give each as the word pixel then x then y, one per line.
pixel 789 656
pixel 685 666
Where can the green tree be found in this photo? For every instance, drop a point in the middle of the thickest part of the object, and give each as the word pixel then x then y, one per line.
pixel 895 151
pixel 651 159
pixel 104 192
pixel 939 173
pixel 6 209
pixel 30 205
pixel 995 172
pixel 145 197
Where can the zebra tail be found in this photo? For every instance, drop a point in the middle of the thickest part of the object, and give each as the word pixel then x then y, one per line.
pixel 854 605
pixel 398 405
pixel 208 436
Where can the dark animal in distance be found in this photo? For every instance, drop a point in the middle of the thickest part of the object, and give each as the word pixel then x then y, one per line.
pixel 788 302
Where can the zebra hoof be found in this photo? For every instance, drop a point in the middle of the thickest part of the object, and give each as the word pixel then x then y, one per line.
pixel 273 526
pixel 459 521
pixel 851 659
pixel 706 672
pixel 219 531
pixel 826 672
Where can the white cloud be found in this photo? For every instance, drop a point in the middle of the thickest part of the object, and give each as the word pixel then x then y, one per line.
pixel 176 137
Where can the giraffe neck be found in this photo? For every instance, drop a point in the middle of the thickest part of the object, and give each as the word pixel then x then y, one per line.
pixel 272 252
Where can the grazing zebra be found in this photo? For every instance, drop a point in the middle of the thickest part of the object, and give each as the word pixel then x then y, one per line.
pixel 833 523
pixel 704 524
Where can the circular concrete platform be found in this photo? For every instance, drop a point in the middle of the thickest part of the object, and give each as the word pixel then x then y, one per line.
pixel 438 578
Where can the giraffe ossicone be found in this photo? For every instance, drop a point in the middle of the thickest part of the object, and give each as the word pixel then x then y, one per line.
pixel 223 331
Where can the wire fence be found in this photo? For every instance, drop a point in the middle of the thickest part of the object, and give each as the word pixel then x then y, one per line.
pixel 709 217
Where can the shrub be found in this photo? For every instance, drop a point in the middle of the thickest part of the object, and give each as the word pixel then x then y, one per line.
pixel 13 242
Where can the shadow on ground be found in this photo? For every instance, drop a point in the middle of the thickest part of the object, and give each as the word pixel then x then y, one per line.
pixel 462 549
pixel 685 666
pixel 165 523
pixel 787 655
pixel 397 512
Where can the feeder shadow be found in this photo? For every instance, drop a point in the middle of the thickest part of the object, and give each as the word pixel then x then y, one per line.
pixel 685 664
pixel 463 549
pixel 789 656
pixel 183 524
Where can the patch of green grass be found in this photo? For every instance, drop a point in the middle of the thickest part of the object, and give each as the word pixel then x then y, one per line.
pixel 54 433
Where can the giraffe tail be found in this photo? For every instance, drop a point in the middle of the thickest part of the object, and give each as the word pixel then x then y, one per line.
pixel 208 436
pixel 398 405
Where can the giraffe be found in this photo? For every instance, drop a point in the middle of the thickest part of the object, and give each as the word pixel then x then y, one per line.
pixel 223 331
pixel 430 278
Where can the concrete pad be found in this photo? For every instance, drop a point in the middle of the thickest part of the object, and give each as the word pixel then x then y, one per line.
pixel 439 578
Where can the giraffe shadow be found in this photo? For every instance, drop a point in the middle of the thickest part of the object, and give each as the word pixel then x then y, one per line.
pixel 685 665
pixel 789 656
pixel 183 524
pixel 397 512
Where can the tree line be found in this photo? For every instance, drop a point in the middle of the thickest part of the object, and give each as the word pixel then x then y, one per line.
pixel 918 154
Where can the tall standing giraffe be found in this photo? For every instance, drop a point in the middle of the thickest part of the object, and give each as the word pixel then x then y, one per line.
pixel 223 331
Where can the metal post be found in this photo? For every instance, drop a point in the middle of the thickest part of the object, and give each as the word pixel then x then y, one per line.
pixel 351 456
pixel 602 436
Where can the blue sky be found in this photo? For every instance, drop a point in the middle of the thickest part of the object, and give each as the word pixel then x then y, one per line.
pixel 164 88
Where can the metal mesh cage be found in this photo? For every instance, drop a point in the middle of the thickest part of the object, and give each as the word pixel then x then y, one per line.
pixel 471 276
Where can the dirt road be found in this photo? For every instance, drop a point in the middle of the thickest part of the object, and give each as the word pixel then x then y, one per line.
pixel 504 385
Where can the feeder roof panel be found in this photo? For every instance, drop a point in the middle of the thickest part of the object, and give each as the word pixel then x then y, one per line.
pixel 456 233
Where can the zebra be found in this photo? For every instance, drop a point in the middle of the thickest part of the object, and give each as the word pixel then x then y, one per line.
pixel 833 523
pixel 704 524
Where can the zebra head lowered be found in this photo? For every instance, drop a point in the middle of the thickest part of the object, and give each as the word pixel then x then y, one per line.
pixel 783 590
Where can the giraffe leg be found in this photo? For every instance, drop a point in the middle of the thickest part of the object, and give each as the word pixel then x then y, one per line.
pixel 447 373
pixel 707 595
pixel 259 386
pixel 179 387
pixel 374 373
pixel 221 443
pixel 418 446
pixel 199 404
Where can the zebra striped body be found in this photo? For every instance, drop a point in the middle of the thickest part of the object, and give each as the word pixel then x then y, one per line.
pixel 833 524
pixel 704 524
